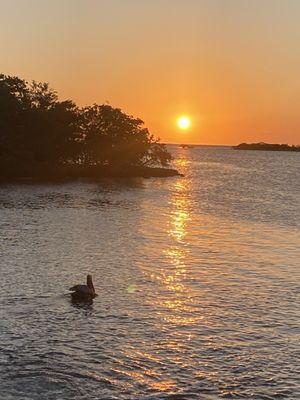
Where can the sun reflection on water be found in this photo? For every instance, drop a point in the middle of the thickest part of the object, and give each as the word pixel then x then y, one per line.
pixel 178 229
pixel 178 307
pixel 179 211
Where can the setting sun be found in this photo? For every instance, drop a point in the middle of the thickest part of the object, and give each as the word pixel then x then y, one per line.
pixel 183 122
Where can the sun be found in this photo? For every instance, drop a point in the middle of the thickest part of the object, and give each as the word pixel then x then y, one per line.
pixel 183 122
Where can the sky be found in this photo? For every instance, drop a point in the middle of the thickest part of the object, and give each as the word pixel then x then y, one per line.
pixel 232 66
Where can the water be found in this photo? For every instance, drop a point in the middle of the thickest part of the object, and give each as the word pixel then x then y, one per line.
pixel 198 282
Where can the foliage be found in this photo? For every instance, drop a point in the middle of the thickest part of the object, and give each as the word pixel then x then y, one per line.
pixel 116 139
pixel 39 131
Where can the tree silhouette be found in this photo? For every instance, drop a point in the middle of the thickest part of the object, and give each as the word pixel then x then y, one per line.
pixel 113 138
pixel 39 132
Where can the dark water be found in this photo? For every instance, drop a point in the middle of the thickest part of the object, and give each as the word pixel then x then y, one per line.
pixel 198 282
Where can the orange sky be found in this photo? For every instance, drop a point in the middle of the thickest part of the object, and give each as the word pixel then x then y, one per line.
pixel 231 65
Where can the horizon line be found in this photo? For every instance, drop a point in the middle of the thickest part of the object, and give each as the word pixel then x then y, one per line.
pixel 222 145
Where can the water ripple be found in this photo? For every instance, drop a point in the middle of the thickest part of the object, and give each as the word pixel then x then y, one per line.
pixel 197 276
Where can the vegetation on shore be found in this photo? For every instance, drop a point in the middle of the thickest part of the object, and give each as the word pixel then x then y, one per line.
pixel 266 147
pixel 42 137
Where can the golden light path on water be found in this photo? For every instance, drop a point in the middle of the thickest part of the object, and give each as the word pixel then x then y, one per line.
pixel 179 303
pixel 175 301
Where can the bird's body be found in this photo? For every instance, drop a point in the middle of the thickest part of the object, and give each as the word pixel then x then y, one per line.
pixel 82 289
pixel 83 293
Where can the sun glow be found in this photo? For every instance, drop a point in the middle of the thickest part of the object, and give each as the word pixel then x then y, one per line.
pixel 183 122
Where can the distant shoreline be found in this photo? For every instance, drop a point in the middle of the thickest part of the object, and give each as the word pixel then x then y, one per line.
pixel 266 147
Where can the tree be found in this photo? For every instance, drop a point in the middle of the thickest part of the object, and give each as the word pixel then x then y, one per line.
pixel 37 131
pixel 14 113
pixel 114 138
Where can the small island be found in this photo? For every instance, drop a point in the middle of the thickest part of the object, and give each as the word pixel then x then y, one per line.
pixel 266 147
pixel 43 138
pixel 186 146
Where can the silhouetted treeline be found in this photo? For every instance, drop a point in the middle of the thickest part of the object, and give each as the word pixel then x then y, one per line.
pixel 266 147
pixel 39 134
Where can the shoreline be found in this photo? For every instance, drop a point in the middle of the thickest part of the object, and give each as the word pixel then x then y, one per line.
pixel 68 174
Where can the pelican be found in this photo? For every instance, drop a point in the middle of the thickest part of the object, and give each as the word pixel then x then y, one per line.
pixel 83 293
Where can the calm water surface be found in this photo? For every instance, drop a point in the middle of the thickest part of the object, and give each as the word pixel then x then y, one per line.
pixel 198 282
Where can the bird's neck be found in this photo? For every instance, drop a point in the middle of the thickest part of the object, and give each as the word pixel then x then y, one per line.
pixel 91 286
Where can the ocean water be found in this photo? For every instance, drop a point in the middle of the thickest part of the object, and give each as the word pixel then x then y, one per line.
pixel 197 277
